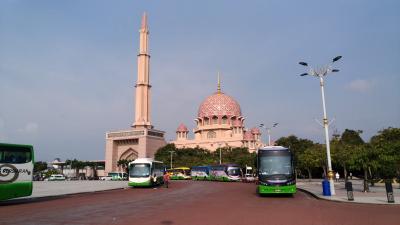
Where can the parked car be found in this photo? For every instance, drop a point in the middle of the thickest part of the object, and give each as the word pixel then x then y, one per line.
pixel 109 177
pixel 56 177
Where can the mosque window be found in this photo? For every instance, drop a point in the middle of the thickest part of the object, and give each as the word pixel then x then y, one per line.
pixel 215 120
pixel 224 120
pixel 211 134
pixel 206 121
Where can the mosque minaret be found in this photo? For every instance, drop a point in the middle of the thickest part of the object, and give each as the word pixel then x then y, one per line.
pixel 142 103
pixel 141 140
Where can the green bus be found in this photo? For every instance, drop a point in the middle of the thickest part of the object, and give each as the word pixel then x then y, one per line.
pixel 275 171
pixel 16 170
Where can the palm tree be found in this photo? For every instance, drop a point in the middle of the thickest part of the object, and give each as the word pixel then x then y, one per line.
pixel 124 164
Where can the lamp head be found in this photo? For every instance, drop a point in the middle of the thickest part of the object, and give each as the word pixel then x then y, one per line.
pixel 303 63
pixel 336 58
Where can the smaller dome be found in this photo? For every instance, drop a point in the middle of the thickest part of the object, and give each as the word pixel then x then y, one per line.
pixel 182 128
pixel 248 136
pixel 255 130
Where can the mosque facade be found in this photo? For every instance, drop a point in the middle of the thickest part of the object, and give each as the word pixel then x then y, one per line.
pixel 219 123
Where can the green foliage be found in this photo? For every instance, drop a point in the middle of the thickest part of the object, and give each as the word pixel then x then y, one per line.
pixel 313 157
pixel 296 145
pixel 351 137
pixel 197 156
pixel 124 164
pixel 387 146
pixel 39 166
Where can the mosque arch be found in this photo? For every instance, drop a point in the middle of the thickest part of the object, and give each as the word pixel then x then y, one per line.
pixel 129 154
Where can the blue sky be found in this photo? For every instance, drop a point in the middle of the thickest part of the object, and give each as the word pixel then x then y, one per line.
pixel 68 68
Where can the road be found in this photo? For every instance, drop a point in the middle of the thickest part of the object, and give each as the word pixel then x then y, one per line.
pixel 191 202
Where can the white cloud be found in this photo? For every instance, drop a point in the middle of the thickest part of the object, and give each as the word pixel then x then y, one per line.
pixel 360 85
pixel 30 128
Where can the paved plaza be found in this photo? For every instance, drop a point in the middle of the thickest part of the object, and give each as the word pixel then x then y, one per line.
pixel 193 202
pixel 377 194
pixel 59 188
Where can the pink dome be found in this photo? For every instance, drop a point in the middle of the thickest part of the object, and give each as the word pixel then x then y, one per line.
pixel 248 136
pixel 255 130
pixel 182 128
pixel 219 104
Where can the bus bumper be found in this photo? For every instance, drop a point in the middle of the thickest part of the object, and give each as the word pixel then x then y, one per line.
pixel 15 190
pixel 288 189
pixel 141 184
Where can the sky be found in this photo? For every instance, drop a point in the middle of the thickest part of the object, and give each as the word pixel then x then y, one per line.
pixel 68 68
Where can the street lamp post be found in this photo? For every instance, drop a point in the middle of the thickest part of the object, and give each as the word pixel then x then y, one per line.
pixel 220 154
pixel 172 152
pixel 321 73
pixel 268 129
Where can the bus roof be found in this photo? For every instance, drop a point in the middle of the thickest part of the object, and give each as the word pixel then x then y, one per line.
pixel 273 148
pixel 16 145
pixel 144 160
pixel 181 168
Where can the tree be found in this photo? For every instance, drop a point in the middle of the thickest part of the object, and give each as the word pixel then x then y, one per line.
pixel 387 145
pixel 364 158
pixel 124 164
pixel 342 148
pixel 296 145
pixel 198 156
pixel 240 156
pixel 76 164
pixel 312 157
pixel 39 166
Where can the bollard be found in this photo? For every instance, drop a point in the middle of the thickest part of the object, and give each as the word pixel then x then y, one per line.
pixel 389 191
pixel 326 191
pixel 349 189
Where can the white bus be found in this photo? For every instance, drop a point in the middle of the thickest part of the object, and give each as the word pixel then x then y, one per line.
pixel 146 172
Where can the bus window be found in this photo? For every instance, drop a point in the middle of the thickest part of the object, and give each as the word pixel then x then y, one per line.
pixel 15 155
pixel 139 170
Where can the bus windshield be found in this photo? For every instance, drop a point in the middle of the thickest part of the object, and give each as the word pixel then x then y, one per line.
pixel 234 171
pixel 273 165
pixel 15 155
pixel 139 170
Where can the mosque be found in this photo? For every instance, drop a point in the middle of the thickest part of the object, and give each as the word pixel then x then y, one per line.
pixel 219 123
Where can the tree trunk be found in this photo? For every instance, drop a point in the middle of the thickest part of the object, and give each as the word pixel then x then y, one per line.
pixel 366 188
pixel 309 174
pixel 372 178
pixel 325 173
pixel 345 173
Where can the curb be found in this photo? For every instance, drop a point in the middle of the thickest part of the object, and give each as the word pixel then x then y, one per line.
pixel 27 200
pixel 340 201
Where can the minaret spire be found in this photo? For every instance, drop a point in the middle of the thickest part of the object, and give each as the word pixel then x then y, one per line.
pixel 219 84
pixel 142 101
pixel 144 21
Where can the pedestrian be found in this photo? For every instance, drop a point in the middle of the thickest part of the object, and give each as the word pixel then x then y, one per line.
pixel 351 176
pixel 337 177
pixel 166 179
